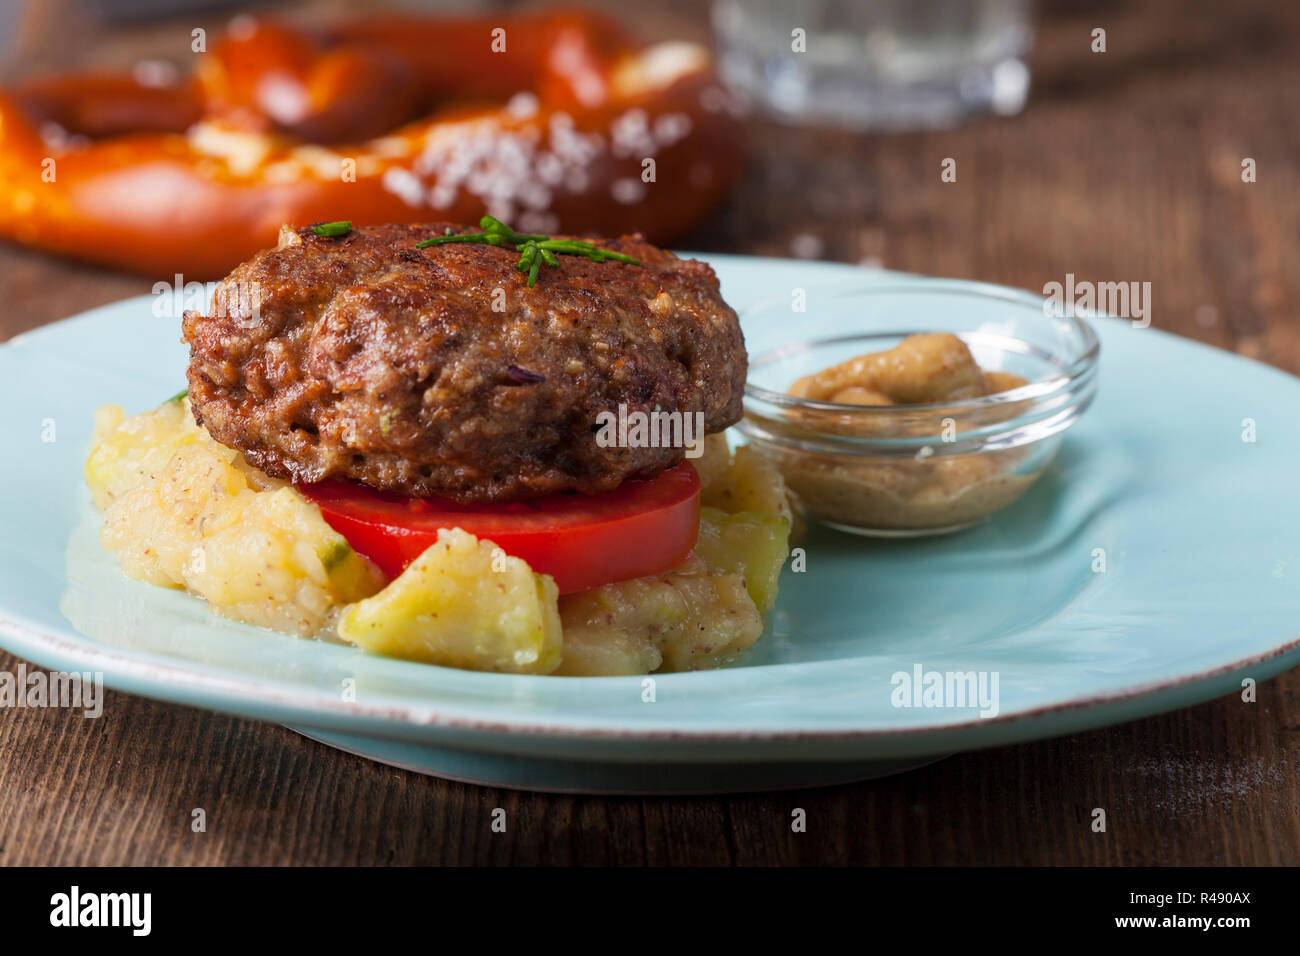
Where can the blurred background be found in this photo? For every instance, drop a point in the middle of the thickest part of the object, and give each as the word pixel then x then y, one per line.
pixel 1116 164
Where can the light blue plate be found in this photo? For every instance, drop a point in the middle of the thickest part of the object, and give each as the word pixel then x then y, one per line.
pixel 1200 531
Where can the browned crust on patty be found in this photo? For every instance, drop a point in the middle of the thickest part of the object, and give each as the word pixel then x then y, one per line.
pixel 411 370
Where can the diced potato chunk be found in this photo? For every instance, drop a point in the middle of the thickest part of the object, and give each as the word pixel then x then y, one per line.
pixel 714 463
pixel 463 603
pixel 688 619
pixel 749 544
pixel 592 650
pixel 351 576
pixel 125 451
pixel 746 482
pixel 266 554
pixel 181 510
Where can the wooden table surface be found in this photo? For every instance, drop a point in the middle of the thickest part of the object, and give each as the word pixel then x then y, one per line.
pixel 1125 166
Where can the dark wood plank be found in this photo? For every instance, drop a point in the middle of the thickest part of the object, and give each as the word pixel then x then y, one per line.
pixel 1125 166
pixel 1214 784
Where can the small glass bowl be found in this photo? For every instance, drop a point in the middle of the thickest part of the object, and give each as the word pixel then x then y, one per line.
pixel 909 470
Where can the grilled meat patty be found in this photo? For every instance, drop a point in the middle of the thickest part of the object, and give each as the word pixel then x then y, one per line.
pixel 437 371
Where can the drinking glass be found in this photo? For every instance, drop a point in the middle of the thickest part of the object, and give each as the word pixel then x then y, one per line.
pixel 876 63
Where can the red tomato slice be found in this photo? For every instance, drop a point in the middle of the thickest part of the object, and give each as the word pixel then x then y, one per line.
pixel 583 541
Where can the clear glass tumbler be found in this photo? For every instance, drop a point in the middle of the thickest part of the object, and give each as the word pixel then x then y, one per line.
pixel 867 64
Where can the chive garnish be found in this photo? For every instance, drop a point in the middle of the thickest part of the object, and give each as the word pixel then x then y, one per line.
pixel 333 229
pixel 180 396
pixel 534 250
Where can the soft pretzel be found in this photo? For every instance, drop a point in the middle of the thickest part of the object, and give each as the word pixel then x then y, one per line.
pixel 554 122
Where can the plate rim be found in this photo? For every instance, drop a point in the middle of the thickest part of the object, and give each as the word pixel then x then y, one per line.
pixel 256 691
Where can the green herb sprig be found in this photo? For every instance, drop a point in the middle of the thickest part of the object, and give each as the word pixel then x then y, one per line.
pixel 333 230
pixel 534 250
